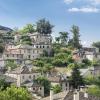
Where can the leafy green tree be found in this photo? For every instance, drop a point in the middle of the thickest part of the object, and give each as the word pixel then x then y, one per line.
pixel 44 82
pixel 76 78
pixel 29 28
pixel 15 93
pixel 86 62
pixel 11 64
pixel 76 35
pixel 3 84
pixel 44 27
pixel 57 89
pixel 64 37
pixel 94 91
pixel 26 40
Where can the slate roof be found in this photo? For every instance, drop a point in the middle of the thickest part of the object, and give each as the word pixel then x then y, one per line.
pixel 69 96
pixel 8 78
pixel 22 70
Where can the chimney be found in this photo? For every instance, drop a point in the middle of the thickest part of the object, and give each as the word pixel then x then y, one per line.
pixel 76 95
pixel 51 94
pixel 86 95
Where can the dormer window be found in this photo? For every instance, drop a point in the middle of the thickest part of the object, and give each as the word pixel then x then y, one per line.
pixel 30 76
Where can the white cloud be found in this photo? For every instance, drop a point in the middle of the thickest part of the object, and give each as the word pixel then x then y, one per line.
pixel 68 1
pixel 85 10
pixel 95 2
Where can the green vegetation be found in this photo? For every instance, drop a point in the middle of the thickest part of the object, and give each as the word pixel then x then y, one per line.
pixel 29 28
pixel 94 91
pixel 15 93
pixel 97 45
pixel 11 64
pixel 44 82
pixel 76 79
pixel 44 27
pixel 56 88
pixel 26 40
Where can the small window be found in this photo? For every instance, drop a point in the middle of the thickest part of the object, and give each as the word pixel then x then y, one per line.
pixel 47 46
pixel 30 76
pixel 40 46
pixel 36 46
pixel 33 76
pixel 13 55
pixel 29 56
pixel 23 77
pixel 43 46
pixel 40 88
pixel 7 55
pixel 33 88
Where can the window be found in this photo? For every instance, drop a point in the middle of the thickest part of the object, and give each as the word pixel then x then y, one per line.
pixel 47 46
pixel 33 88
pixel 43 46
pixel 33 51
pixel 29 56
pixel 36 46
pixel 7 55
pixel 40 46
pixel 40 88
pixel 33 76
pixel 23 77
pixel 30 76
pixel 13 55
pixel 20 51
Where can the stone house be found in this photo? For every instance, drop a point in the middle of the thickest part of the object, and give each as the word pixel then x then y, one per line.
pixel 23 74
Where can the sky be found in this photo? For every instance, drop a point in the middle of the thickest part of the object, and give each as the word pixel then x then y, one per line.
pixel 61 13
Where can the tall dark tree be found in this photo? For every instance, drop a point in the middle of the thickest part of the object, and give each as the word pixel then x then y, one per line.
pixel 76 78
pixel 97 45
pixel 44 27
pixel 57 39
pixel 76 35
pixel 64 37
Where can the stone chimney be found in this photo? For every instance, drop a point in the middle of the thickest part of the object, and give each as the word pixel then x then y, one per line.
pixel 86 95
pixel 76 95
pixel 51 94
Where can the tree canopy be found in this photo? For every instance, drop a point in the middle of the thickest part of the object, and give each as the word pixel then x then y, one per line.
pixel 29 28
pixel 15 93
pixel 44 27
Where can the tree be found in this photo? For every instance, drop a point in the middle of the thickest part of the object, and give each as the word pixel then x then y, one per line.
pixel 15 93
pixel 57 39
pixel 44 82
pixel 26 40
pixel 57 88
pixel 76 79
pixel 64 37
pixel 86 62
pixel 44 27
pixel 97 45
pixel 29 28
pixel 3 84
pixel 1 48
pixel 11 64
pixel 75 40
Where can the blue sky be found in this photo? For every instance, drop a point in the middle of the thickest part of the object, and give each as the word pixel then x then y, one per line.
pixel 61 13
